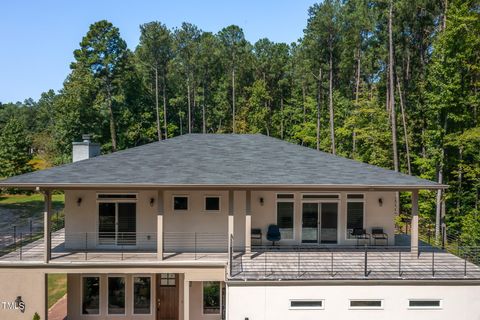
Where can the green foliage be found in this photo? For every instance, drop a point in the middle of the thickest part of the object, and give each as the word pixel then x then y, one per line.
pixel 36 316
pixel 14 149
pixel 282 90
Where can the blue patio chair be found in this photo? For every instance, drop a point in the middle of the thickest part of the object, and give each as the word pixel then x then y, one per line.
pixel 273 234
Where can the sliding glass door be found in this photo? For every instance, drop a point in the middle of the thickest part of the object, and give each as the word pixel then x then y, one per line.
pixel 117 223
pixel 319 222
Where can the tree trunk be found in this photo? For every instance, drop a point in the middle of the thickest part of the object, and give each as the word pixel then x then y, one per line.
pixel 438 209
pixel 281 120
pixel 391 88
pixel 233 99
pixel 159 131
pixel 303 103
pixel 357 93
pixel 189 107
pixel 405 132
pixel 113 130
pixel 165 104
pixel 319 97
pixel 203 110
pixel 330 101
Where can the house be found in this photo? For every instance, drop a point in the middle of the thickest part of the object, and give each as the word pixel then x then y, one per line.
pixel 186 228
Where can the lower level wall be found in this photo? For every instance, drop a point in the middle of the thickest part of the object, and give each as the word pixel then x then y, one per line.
pixel 30 287
pixel 264 302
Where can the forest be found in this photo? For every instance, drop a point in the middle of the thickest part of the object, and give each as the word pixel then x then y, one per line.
pixel 391 83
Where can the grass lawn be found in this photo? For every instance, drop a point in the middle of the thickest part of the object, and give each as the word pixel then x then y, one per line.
pixel 57 287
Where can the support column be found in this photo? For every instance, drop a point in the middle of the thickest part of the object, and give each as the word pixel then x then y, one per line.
pixel 248 221
pixel 160 213
pixel 414 226
pixel 231 207
pixel 186 300
pixel 47 226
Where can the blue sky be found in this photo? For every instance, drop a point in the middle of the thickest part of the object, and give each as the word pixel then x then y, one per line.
pixel 37 38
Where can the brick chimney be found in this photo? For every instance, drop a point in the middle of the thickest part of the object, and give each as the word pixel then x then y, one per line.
pixel 85 149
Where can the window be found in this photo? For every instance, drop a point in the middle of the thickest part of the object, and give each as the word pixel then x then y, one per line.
pixel 306 304
pixel 366 304
pixel 116 295
pixel 117 223
pixel 91 295
pixel 355 215
pixel 141 295
pixel 180 203
pixel 424 304
pixel 320 196
pixel 285 196
pixel 212 203
pixel 211 297
pixel 355 196
pixel 285 219
pixel 168 279
pixel 117 196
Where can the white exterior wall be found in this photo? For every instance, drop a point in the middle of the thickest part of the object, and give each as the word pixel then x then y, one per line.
pixel 273 302
pixel 84 218
pixel 374 214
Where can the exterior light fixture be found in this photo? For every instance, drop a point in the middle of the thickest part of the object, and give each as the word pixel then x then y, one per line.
pixel 152 201
pixel 380 202
pixel 79 201
pixel 261 201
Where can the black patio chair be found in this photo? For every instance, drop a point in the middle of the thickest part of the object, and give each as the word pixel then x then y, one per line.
pixel 378 234
pixel 273 234
pixel 360 234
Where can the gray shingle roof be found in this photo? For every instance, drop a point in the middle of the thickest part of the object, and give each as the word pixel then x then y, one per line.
pixel 222 160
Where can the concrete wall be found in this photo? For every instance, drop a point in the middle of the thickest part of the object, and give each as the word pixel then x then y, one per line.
pixel 30 286
pixel 273 302
pixel 84 218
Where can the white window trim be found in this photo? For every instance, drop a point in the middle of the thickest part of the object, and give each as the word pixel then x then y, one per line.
pixel 221 302
pixel 346 212
pixel 125 290
pixel 339 214
pixel 205 203
pixel 440 307
pixel 365 308
pixel 183 196
pixel 99 294
pixel 306 308
pixel 287 200
pixel 133 294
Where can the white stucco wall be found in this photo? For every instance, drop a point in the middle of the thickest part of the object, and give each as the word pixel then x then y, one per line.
pixel 273 302
pixel 83 218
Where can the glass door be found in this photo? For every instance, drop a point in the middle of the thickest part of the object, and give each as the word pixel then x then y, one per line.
pixel 117 223
pixel 329 223
pixel 310 223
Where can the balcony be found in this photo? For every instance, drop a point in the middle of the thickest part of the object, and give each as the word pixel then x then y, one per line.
pixel 126 247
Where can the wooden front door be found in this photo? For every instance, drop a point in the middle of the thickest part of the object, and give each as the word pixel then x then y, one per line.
pixel 167 296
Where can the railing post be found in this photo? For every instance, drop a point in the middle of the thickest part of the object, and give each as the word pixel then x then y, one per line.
pixel 433 263
pixel 266 263
pixel 20 246
pixel 231 254
pixel 15 237
pixel 31 230
pixel 366 263
pixel 332 265
pixel 298 262
pixel 195 244
pixel 465 264
pixel 86 245
pixel 443 237
pixel 400 263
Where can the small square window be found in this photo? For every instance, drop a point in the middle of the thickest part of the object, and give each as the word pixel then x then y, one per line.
pixel 212 203
pixel 180 203
pixel 424 304
pixel 306 304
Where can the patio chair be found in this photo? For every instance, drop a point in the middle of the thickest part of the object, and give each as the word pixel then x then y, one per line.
pixel 360 234
pixel 378 234
pixel 273 234
pixel 256 235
